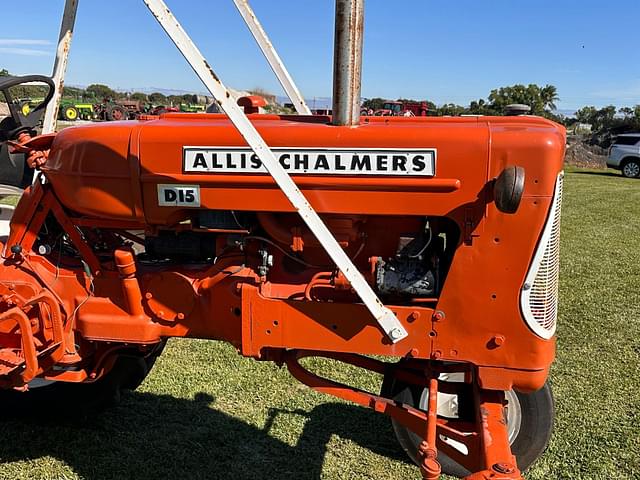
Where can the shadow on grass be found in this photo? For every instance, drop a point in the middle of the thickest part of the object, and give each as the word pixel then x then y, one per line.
pixel 153 436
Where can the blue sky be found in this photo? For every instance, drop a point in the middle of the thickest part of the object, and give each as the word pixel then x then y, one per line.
pixel 444 50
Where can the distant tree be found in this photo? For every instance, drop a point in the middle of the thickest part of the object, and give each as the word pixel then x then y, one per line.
pixel 549 96
pixel 601 120
pixel 4 73
pixel 627 112
pixel 481 107
pixel 586 114
pixel 142 97
pixel 73 92
pixel 373 103
pixel 174 100
pixel 609 121
pixel 100 91
pixel 541 99
pixel 158 98
pixel 450 109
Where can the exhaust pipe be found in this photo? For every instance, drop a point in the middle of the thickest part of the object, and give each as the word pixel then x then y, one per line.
pixel 347 61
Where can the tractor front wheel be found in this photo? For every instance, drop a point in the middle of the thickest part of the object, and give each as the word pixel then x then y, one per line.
pixel 529 422
pixel 70 113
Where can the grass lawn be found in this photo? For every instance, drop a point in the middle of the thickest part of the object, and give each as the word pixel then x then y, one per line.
pixel 205 412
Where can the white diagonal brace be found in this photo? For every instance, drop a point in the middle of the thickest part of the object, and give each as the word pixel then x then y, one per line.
pixel 60 65
pixel 272 56
pixel 383 316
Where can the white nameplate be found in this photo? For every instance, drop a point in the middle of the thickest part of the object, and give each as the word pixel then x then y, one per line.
pixel 314 161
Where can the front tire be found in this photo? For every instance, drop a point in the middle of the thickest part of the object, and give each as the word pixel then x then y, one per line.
pixel 530 423
pixel 631 168
pixel 70 113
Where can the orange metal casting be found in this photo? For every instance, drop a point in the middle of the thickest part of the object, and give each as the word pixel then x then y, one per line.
pixel 100 185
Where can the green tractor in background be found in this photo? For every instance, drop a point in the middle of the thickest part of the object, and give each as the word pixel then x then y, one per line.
pixel 72 110
pixel 192 108
pixel 69 109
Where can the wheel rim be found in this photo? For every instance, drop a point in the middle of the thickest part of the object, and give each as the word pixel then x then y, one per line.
pixel 631 169
pixel 26 109
pixel 71 114
pixel 448 407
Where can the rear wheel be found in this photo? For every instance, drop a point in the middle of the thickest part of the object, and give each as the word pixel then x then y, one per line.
pixel 79 399
pixel 70 113
pixel 529 422
pixel 631 168
pixel 116 113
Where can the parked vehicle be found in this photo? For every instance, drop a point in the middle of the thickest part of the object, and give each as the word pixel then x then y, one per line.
pixel 160 109
pixel 192 108
pixel 133 107
pixel 72 111
pixel 624 154
pixel 401 109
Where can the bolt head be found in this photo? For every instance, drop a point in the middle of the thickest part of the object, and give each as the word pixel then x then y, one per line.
pixel 395 333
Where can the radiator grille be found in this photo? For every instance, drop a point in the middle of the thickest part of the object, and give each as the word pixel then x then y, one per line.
pixel 539 299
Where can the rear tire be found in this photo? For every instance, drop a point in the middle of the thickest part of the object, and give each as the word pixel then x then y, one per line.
pixel 116 113
pixel 73 400
pixel 631 168
pixel 530 438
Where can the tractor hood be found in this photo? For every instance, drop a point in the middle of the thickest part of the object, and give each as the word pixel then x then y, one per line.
pixel 147 171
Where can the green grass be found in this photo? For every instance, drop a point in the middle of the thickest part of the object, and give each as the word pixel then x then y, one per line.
pixel 205 412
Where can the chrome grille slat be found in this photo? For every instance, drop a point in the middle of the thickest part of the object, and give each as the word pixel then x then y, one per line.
pixel 539 298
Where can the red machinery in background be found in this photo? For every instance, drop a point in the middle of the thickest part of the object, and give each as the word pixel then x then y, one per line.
pixel 402 109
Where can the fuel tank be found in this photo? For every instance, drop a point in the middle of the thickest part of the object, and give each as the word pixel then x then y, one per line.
pixel 153 171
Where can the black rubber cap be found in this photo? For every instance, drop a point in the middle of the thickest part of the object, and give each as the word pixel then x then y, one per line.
pixel 508 189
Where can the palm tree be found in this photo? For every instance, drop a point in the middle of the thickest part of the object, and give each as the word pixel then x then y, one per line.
pixel 549 96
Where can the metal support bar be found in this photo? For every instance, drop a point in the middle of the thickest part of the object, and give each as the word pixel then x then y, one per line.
pixel 60 64
pixel 385 317
pixel 347 61
pixel 272 56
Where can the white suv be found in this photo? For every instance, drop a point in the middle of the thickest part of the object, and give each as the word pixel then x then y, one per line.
pixel 624 154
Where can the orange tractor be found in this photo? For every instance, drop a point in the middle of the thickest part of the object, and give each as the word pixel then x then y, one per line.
pixel 173 226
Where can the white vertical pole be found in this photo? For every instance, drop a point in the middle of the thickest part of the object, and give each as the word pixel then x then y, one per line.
pixel 60 65
pixel 272 56
pixel 388 322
